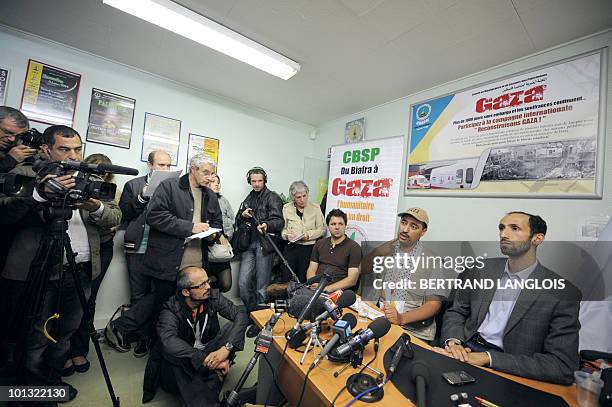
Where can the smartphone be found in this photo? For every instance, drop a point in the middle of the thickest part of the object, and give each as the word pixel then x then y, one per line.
pixel 458 378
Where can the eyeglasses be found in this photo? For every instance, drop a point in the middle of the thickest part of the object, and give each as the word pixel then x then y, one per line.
pixel 204 283
pixel 8 133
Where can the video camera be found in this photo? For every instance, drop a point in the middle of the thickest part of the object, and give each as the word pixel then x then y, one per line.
pixel 85 188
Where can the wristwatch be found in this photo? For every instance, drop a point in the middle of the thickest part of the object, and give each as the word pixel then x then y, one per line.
pixel 229 346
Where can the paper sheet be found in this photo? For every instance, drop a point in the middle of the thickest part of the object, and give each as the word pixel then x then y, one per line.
pixel 157 177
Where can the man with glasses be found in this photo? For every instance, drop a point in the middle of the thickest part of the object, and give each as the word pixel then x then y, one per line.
pixel 178 209
pixel 12 123
pixel 196 351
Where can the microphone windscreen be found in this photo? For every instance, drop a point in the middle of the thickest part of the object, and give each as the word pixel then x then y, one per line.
pixel 351 319
pixel 419 368
pixel 347 298
pixel 298 302
pixel 380 327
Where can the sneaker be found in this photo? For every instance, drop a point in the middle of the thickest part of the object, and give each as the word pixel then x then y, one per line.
pixel 115 339
pixel 142 348
pixel 277 291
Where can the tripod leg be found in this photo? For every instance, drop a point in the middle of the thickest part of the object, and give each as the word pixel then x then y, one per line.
pixel 88 318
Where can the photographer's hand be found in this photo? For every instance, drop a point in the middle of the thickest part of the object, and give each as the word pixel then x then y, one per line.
pixel 21 152
pixel 91 205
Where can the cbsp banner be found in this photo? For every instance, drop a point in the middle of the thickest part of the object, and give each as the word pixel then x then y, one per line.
pixel 364 181
pixel 535 134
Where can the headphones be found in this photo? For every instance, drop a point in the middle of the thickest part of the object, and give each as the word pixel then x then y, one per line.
pixel 257 170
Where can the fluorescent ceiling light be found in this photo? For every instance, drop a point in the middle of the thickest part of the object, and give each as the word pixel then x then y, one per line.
pixel 182 21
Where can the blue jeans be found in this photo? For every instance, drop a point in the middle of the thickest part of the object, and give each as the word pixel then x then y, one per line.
pixel 255 274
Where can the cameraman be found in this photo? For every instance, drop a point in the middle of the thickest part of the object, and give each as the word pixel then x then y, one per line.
pixel 44 359
pixel 12 123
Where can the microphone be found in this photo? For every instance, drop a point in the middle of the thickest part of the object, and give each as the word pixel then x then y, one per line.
pixel 324 282
pixel 99 168
pixel 403 347
pixel 377 328
pixel 277 306
pixel 297 304
pixel 332 309
pixel 342 330
pixel 420 375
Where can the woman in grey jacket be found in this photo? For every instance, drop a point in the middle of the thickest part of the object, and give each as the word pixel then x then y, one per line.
pixel 223 271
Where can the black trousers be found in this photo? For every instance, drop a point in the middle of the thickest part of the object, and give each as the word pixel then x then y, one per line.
pixel 199 388
pixel 298 257
pixel 141 318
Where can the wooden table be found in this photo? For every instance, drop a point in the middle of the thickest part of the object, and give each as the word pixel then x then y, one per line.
pixel 322 386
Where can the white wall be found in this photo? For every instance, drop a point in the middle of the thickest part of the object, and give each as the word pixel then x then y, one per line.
pixel 246 134
pixel 476 218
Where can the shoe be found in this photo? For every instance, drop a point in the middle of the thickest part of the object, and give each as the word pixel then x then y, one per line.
pixel 142 348
pixel 82 368
pixel 115 339
pixel 147 396
pixel 72 392
pixel 277 291
pixel 68 371
pixel 253 331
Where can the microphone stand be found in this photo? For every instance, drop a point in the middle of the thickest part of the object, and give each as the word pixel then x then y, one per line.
pixel 263 342
pixel 294 277
pixel 314 341
pixel 356 363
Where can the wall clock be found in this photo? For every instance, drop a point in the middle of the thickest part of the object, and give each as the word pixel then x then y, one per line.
pixel 354 131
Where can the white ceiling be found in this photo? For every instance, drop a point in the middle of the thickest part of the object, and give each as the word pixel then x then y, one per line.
pixel 354 54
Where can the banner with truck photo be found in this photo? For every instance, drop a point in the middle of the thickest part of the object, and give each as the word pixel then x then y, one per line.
pixel 537 134
pixel 364 181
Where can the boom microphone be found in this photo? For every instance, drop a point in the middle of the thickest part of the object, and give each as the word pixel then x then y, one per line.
pixel 377 328
pixel 99 168
pixel 420 375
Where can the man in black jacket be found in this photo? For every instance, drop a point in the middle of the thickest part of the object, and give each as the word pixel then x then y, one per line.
pixel 133 204
pixel 12 123
pixel 196 350
pixel 266 207
pixel 177 210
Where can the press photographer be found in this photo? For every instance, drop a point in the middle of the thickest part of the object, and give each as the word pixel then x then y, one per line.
pixel 12 124
pixel 56 184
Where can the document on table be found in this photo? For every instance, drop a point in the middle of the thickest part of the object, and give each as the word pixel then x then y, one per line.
pixel 202 235
pixel 157 177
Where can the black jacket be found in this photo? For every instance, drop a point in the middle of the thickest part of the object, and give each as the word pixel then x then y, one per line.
pixel 7 162
pixel 170 215
pixel 133 207
pixel 177 336
pixel 267 207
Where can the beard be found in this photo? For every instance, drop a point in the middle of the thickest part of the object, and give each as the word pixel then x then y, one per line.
pixel 515 248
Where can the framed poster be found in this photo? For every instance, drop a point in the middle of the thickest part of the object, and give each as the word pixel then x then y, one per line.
pixel 161 133
pixel 202 144
pixel 50 94
pixel 4 77
pixel 535 134
pixel 110 119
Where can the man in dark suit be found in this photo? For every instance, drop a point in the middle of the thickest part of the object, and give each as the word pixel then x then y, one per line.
pixel 530 332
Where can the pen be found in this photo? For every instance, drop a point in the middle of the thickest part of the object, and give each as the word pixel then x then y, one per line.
pixel 484 402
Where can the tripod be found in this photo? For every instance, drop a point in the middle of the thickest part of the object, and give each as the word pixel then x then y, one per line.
pixel 49 258
pixel 262 346
pixel 313 341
